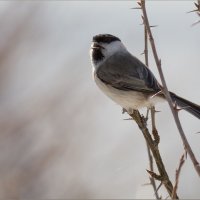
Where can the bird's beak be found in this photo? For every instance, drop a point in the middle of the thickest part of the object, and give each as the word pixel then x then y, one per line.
pixel 95 45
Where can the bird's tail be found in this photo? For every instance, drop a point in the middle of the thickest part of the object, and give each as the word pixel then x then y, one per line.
pixel 192 108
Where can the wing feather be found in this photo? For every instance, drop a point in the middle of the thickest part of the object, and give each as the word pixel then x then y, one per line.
pixel 127 73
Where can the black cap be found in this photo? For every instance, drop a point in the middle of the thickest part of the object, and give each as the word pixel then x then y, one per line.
pixel 105 38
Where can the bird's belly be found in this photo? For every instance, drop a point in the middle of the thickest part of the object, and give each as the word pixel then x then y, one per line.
pixel 127 99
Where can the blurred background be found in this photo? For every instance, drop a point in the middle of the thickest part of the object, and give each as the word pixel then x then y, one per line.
pixel 60 137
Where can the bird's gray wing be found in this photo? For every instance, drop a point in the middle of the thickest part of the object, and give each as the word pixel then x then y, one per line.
pixel 127 73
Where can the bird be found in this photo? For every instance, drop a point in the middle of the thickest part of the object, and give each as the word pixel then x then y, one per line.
pixel 126 80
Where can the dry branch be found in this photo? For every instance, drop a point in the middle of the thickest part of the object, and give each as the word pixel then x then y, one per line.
pixel 163 176
pixel 151 167
pixel 178 171
pixel 166 92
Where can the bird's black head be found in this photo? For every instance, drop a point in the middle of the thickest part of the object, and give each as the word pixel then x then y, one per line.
pixel 105 38
pixel 99 46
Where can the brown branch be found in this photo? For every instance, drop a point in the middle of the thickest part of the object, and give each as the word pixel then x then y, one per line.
pixel 146 54
pixel 152 180
pixel 166 92
pixel 178 171
pixel 163 176
pixel 151 167
pixel 154 129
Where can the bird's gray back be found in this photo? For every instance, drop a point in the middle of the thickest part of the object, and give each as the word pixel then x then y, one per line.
pixel 125 72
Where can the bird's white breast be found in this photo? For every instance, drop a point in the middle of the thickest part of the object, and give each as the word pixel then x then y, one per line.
pixel 127 99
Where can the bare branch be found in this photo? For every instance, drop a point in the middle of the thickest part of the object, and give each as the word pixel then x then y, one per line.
pixel 178 171
pixel 162 176
pixel 152 179
pixel 166 92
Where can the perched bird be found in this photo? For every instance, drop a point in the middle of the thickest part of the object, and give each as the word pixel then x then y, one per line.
pixel 125 79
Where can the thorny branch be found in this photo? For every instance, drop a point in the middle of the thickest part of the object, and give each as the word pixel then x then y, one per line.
pixel 151 167
pixel 153 145
pixel 166 92
pixel 178 171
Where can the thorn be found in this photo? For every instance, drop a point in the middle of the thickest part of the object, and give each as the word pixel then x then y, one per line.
pixel 146 184
pixel 192 11
pixel 154 175
pixel 128 119
pixel 139 3
pixel 136 8
pixel 153 26
pixel 197 132
pixel 155 94
pixel 176 106
pixel 182 108
pixel 157 111
pixel 142 53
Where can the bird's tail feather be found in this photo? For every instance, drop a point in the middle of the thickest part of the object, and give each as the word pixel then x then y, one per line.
pixel 192 108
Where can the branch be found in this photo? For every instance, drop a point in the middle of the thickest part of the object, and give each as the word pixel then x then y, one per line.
pixel 152 180
pixel 178 171
pixel 166 92
pixel 197 10
pixel 163 176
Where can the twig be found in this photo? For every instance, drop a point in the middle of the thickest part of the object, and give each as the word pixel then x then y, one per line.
pixel 154 129
pixel 197 10
pixel 146 54
pixel 163 176
pixel 152 180
pixel 166 92
pixel 178 171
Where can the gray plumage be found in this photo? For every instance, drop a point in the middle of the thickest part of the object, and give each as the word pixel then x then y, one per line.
pixel 127 73
pixel 125 79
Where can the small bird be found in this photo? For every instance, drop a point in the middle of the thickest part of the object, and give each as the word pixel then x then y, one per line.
pixel 125 79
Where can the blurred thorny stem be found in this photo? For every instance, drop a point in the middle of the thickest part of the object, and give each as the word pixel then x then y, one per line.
pixel 166 92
